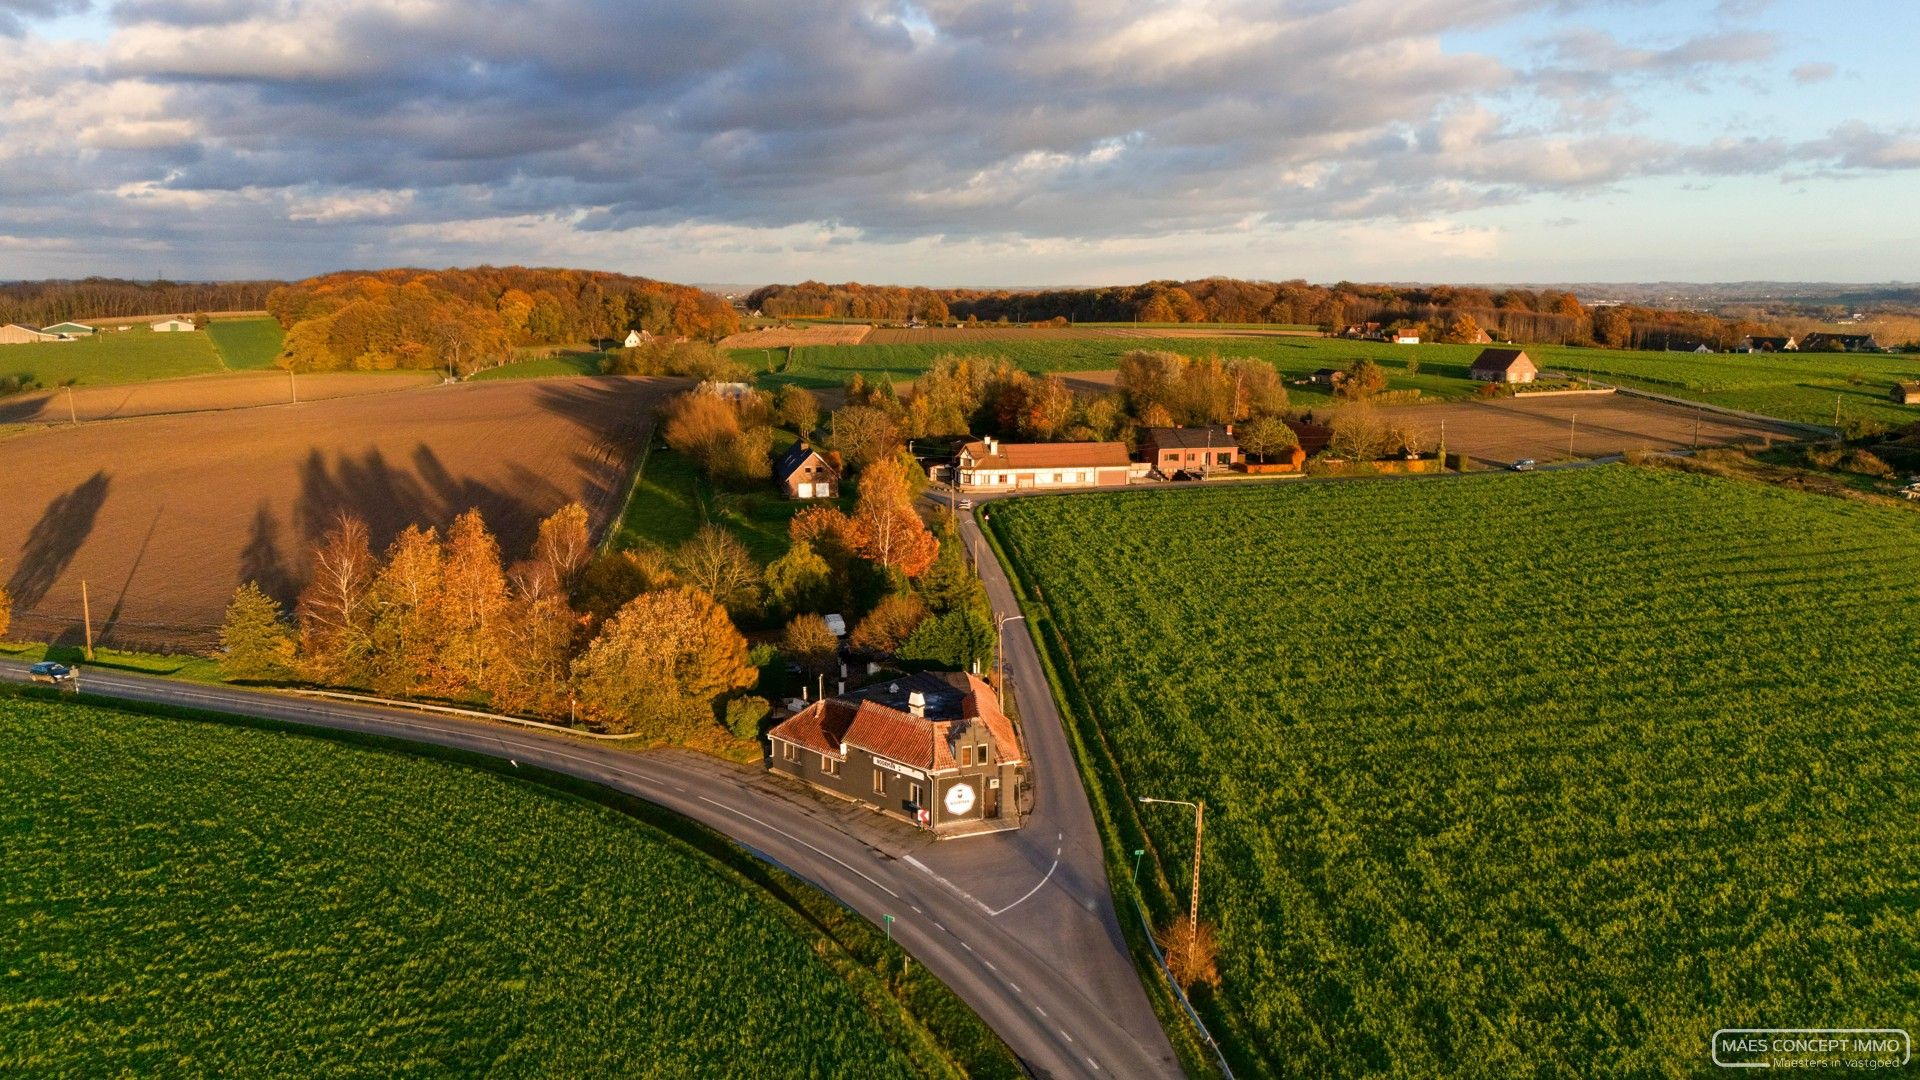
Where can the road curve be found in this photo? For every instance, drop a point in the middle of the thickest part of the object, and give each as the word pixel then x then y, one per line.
pixel 1065 1009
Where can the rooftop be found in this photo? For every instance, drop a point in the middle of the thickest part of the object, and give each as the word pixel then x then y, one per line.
pixel 1046 455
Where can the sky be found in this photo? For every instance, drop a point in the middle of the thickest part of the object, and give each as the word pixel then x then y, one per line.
pixel 949 142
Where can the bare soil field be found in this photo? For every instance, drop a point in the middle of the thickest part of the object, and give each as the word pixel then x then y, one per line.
pixel 163 516
pixel 1508 429
pixel 779 337
pixel 242 390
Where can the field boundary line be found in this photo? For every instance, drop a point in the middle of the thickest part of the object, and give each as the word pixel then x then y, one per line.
pixel 1742 414
pixel 619 516
pixel 450 710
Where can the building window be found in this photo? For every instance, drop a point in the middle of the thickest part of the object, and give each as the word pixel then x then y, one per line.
pixel 913 794
pixel 829 766
pixel 879 782
pixel 985 752
pixel 966 755
pixel 789 751
pixel 1224 459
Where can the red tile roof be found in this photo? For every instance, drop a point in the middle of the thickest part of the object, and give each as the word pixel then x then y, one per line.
pixel 825 726
pixel 1048 455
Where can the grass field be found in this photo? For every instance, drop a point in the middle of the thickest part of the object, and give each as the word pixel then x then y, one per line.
pixel 193 897
pixel 1793 386
pixel 134 355
pixel 246 344
pixel 1507 775
pixel 673 500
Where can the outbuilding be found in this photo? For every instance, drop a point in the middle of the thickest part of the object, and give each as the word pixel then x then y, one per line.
pixel 1504 366
pixel 22 334
pixel 1906 393
pixel 932 748
pixel 68 329
pixel 805 474
pixel 171 326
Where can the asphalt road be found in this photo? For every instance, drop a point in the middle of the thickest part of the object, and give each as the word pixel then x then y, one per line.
pixel 1020 925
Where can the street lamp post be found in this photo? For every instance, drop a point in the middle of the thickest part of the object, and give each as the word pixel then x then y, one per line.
pixel 1000 653
pixel 1199 822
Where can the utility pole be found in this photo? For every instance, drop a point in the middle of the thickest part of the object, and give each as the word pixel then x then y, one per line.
pixel 71 414
pixel 1696 427
pixel 1572 419
pixel 86 615
pixel 1836 410
pixel 1199 825
pixel 1000 655
pixel 293 387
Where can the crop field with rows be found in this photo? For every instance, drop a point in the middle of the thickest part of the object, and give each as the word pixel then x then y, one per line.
pixel 191 898
pixel 1514 775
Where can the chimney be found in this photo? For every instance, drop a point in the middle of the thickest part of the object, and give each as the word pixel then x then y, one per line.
pixel 917 703
pixel 843 687
pixel 993 446
pixel 1229 429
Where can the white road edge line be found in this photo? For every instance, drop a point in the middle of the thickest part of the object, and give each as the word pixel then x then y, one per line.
pixel 802 843
pixel 1035 889
pixel 957 890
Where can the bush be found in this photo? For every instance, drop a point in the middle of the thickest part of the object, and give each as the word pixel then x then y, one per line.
pixel 744 715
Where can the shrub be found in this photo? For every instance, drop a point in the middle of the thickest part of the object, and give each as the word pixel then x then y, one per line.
pixel 744 715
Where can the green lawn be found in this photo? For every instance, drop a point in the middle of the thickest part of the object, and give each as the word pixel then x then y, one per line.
pixel 1507 775
pixel 194 668
pixel 674 499
pixel 196 898
pixel 134 355
pixel 1792 386
pixel 246 344
pixel 546 367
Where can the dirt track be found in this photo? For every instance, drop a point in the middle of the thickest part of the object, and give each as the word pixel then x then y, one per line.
pixel 164 516
pixel 243 390
pixel 1508 429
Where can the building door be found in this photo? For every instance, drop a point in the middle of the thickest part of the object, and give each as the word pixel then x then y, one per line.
pixel 991 805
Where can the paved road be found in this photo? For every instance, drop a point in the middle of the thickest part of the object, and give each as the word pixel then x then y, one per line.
pixel 1043 965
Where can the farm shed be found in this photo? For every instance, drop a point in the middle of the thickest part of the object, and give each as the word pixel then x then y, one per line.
pixel 805 474
pixel 932 748
pixel 171 326
pixel 1195 449
pixel 22 334
pixel 68 329
pixel 991 464
pixel 1504 366
pixel 1906 393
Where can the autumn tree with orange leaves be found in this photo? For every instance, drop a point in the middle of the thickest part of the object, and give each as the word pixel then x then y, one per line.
pixel 890 531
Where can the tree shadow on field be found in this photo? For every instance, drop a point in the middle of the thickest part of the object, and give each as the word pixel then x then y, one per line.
pixel 262 562
pixel 65 524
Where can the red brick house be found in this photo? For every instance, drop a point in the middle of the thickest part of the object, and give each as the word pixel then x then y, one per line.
pixel 1193 449
pixel 932 748
pixel 1504 366
pixel 805 474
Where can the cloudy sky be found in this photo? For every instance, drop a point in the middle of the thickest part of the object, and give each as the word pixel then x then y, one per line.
pixel 956 142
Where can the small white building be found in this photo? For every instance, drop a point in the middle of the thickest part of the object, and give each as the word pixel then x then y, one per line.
pixel 1406 339
pixel 990 464
pixel 22 334
pixel 636 338
pixel 171 326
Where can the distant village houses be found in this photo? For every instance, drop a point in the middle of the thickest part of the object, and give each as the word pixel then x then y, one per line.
pixel 1762 344
pixel 1821 341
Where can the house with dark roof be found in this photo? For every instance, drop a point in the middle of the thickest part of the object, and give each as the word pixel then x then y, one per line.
pixel 1504 366
pixel 1820 341
pixel 1906 393
pixel 1763 344
pixel 805 474
pixel 1328 376
pixel 1192 449
pixel 989 464
pixel 932 748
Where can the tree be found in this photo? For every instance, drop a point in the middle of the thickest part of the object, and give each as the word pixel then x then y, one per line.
pixel 563 545
pixel 798 409
pixel 1359 435
pixel 405 600
pixel 254 640
pixel 864 434
pixel 1266 436
pixel 800 580
pixel 335 621
pixel 1148 379
pixel 537 638
pixel 808 643
pixel 1191 953
pixel 661 663
pixel 950 584
pixel 889 624
pixel 610 581
pixel 744 715
pixel 1463 330
pixel 716 563
pixel 473 598
pixel 699 425
pixel 892 534
pixel 1363 380
pixel 957 639
pixel 6 611
pixel 1049 407
pixel 1257 388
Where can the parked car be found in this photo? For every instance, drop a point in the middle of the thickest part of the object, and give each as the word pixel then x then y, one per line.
pixel 1525 464
pixel 964 504
pixel 47 671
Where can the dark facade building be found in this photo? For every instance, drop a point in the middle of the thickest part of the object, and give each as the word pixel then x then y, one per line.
pixel 1824 342
pixel 932 748
pixel 1193 449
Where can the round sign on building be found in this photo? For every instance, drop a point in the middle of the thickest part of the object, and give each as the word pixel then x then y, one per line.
pixel 959 801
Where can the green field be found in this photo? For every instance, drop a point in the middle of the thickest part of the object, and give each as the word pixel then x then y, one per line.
pixel 134 355
pixel 196 898
pixel 246 344
pixel 673 499
pixel 1507 775
pixel 1792 386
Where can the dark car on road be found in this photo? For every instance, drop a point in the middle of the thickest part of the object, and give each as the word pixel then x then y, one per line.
pixel 47 671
